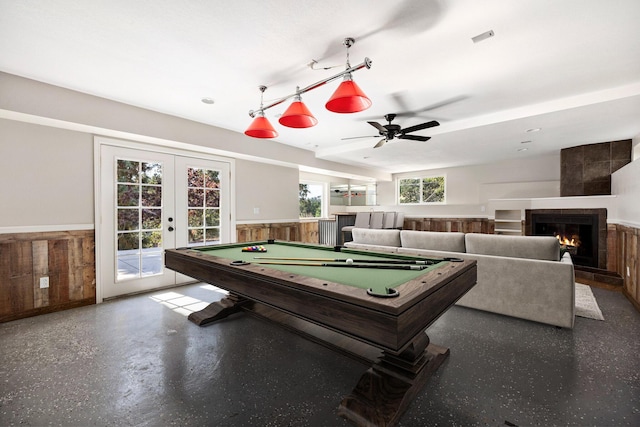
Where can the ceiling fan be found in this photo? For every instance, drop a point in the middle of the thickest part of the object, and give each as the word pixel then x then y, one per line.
pixel 391 131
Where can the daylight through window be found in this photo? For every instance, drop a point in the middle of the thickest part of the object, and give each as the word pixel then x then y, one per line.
pixel 421 190
pixel 311 202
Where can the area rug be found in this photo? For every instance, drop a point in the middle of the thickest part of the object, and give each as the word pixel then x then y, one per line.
pixel 586 304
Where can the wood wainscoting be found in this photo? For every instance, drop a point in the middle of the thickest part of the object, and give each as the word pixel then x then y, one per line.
pixel 623 250
pixel 67 258
pixel 304 231
pixel 463 225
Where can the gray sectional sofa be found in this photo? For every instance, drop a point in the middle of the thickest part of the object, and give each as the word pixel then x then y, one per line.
pixel 520 276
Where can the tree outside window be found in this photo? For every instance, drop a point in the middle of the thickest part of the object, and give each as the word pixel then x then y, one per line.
pixel 421 190
pixel 310 196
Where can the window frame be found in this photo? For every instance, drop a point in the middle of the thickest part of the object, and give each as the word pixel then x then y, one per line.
pixel 324 203
pixel 421 179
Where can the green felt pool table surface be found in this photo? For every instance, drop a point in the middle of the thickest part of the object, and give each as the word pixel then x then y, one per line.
pixel 364 277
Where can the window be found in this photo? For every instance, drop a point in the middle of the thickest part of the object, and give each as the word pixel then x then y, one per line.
pixel 311 200
pixel 203 214
pixel 421 190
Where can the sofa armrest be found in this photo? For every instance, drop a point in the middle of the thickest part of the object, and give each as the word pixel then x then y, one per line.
pixel 538 290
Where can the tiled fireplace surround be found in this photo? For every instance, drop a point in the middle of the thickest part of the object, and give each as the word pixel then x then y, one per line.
pixel 602 227
pixel 586 171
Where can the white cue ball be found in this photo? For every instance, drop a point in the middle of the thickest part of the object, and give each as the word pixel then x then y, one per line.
pixel 349 261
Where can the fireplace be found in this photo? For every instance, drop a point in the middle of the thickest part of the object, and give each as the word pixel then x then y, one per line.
pixel 581 231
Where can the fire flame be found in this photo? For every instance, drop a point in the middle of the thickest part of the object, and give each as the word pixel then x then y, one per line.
pixel 575 241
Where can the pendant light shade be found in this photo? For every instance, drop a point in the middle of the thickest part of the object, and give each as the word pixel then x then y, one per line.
pixel 298 116
pixel 348 98
pixel 261 128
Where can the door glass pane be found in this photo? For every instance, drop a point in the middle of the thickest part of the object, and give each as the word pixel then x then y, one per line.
pixel 128 171
pixel 128 195
pixel 128 219
pixel 151 219
pixel 196 217
pixel 196 197
pixel 151 195
pixel 152 173
pixel 203 206
pixel 139 213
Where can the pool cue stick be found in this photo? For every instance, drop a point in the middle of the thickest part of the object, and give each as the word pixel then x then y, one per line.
pixel 372 261
pixel 324 264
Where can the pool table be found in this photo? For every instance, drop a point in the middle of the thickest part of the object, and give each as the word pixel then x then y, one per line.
pixel 369 305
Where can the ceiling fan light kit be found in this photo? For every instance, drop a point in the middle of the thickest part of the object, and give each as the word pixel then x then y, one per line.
pixel 348 98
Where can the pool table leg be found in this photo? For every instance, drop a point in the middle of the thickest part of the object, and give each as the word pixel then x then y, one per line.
pixel 387 388
pixel 218 310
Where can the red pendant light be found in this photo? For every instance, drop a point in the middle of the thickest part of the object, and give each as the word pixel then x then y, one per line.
pixel 261 128
pixel 298 115
pixel 348 98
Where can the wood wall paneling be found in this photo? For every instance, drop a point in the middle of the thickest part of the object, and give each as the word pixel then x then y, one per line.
pixel 306 231
pixel 40 251
pixel 623 249
pixel 66 257
pixel 462 225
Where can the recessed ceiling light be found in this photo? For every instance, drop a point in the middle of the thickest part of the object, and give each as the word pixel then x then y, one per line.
pixel 208 100
pixel 523 149
pixel 534 129
pixel 525 142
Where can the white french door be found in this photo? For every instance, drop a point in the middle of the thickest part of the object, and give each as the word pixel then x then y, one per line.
pixel 149 202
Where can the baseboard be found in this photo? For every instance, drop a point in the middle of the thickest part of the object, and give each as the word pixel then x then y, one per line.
pixel 49 309
pixel 598 277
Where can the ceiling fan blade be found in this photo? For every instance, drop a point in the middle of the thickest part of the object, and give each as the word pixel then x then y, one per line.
pixel 359 137
pixel 426 125
pixel 380 144
pixel 415 137
pixel 398 98
pixel 412 113
pixel 378 126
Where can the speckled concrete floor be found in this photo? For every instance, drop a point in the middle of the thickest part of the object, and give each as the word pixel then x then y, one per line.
pixel 138 361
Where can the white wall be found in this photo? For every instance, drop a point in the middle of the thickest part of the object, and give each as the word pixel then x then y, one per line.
pixel 625 184
pixel 272 190
pixel 30 100
pixel 46 156
pixel 47 181
pixel 46 176
pixel 470 188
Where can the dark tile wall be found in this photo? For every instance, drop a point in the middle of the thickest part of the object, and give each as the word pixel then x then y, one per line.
pixel 586 170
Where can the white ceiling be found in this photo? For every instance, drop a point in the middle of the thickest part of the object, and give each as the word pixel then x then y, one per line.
pixel 569 67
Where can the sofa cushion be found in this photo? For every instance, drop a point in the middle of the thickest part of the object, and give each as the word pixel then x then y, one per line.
pixel 433 240
pixel 376 237
pixel 532 247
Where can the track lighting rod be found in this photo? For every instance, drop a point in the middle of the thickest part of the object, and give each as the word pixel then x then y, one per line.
pixel 365 64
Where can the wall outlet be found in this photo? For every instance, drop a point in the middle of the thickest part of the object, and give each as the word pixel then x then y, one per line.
pixel 44 282
pixel 256 211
